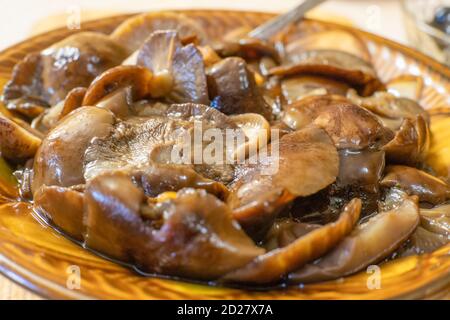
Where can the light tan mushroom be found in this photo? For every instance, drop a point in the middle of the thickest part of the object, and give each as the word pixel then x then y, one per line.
pixel 272 266
pixel 436 220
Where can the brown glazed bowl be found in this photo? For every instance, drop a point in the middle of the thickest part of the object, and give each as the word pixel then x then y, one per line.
pixel 44 261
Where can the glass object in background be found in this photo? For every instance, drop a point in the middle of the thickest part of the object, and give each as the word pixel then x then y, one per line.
pixel 427 25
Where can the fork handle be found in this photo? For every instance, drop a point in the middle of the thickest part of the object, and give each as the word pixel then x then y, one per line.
pixel 273 26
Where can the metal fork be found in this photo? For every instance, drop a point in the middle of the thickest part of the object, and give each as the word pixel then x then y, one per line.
pixel 273 26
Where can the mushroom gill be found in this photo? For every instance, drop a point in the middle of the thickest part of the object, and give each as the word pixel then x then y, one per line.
pixel 178 70
pixel 305 161
pixel 59 160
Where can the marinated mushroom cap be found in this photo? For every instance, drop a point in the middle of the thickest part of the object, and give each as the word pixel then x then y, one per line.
pixel 60 158
pixel 178 70
pixel 417 182
pixel 335 64
pixel 272 266
pixel 339 40
pixel 410 143
pixel 233 90
pixel 349 125
pixel 133 32
pixel 237 43
pixel 63 207
pixel 128 145
pixel 298 87
pixel 70 63
pixel 17 142
pixel 368 243
pixel 176 237
pixel 306 162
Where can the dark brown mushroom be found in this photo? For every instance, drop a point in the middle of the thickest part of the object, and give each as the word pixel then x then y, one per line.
pixel 349 125
pixel 233 90
pixel 416 182
pixel 176 237
pixel 272 266
pixel 138 78
pixel 59 160
pixel 360 172
pixel 335 64
pixel 73 62
pixel 178 71
pixel 368 243
pixel 64 207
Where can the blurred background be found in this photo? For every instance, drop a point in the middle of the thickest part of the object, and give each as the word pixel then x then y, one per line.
pixel 406 21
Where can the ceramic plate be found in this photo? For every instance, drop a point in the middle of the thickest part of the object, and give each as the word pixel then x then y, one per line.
pixel 39 258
